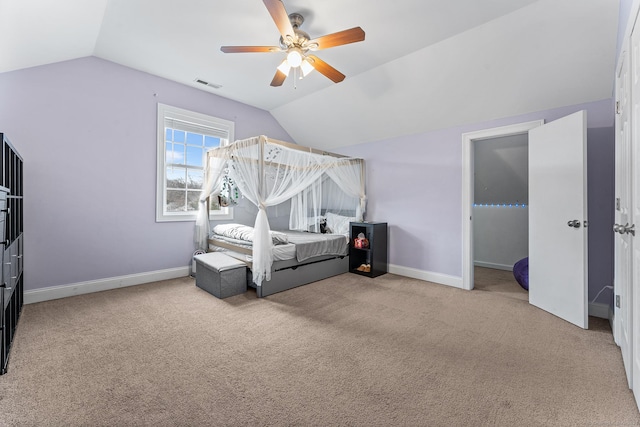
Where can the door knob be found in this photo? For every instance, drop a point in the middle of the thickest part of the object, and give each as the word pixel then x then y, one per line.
pixel 624 229
pixel 619 228
pixel 574 223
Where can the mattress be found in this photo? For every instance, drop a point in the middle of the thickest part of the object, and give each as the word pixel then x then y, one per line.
pixel 280 252
pixel 301 245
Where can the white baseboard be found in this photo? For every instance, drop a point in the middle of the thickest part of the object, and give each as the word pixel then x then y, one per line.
pixel 597 309
pixel 63 291
pixel 55 292
pixel 493 265
pixel 428 276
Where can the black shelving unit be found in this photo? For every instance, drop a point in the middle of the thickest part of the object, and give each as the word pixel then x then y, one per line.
pixel 11 239
pixel 374 255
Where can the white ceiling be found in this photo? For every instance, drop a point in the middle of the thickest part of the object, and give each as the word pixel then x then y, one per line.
pixel 424 65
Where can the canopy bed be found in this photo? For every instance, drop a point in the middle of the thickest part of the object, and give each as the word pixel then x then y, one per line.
pixel 325 192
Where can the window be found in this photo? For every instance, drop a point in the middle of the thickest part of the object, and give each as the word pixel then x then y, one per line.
pixel 183 138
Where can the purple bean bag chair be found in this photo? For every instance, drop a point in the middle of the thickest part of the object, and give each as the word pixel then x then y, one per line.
pixel 521 272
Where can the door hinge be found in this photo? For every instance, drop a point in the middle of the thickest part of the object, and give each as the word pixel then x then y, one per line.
pixel 618 301
pixel 617 107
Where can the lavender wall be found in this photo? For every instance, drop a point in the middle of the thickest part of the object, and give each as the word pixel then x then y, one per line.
pixel 87 132
pixel 86 129
pixel 601 185
pixel 415 184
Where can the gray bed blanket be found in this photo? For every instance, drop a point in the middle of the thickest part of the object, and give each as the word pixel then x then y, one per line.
pixel 309 245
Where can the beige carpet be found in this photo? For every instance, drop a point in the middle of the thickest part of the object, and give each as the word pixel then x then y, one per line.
pixel 350 351
pixel 498 282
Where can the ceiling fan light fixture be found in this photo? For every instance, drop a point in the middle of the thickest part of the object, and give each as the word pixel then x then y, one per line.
pixel 306 67
pixel 294 57
pixel 284 67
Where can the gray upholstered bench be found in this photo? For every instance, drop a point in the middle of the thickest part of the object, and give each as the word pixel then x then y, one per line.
pixel 220 275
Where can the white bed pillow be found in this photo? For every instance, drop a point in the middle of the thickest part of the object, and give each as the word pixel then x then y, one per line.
pixel 338 224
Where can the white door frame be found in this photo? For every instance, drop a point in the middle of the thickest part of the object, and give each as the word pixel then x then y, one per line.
pixel 467 187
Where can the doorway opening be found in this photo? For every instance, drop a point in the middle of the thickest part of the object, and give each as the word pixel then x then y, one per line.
pixel 500 215
pixel 501 135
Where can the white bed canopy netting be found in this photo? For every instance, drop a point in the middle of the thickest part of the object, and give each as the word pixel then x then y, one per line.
pixel 269 172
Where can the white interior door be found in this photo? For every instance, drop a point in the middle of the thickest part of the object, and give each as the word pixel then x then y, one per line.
pixel 622 242
pixel 633 181
pixel 557 218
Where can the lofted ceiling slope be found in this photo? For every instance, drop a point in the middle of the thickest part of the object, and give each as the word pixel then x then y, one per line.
pixel 424 65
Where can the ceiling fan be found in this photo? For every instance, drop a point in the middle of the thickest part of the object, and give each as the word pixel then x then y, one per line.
pixel 297 44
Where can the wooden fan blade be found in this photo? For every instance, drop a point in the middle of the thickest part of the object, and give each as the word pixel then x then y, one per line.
pixel 280 17
pixel 326 69
pixel 243 49
pixel 337 39
pixel 278 79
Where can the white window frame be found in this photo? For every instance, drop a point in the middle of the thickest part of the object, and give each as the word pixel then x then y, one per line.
pixel 218 127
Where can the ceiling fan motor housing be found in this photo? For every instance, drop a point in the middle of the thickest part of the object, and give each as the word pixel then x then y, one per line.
pixel 301 37
pixel 296 19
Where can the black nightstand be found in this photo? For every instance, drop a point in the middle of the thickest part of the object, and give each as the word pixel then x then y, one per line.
pixel 371 259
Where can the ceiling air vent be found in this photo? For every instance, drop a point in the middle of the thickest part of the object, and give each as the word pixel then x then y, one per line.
pixel 213 85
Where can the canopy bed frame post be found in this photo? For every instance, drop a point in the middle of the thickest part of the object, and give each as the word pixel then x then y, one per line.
pixel 363 188
pixel 261 194
pixel 261 183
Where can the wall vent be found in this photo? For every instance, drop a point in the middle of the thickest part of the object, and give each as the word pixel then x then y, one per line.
pixel 213 85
